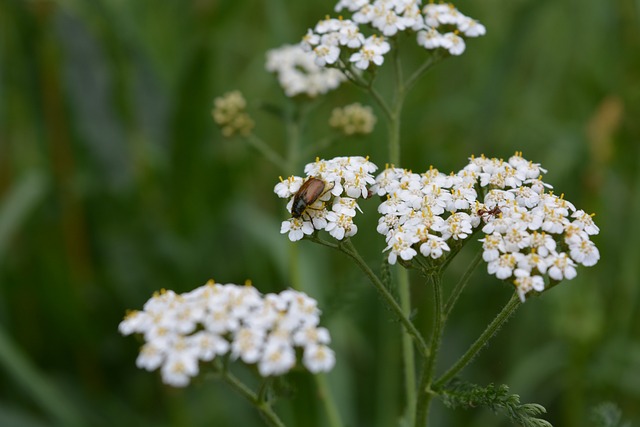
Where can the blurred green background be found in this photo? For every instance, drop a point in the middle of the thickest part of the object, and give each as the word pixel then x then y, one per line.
pixel 114 183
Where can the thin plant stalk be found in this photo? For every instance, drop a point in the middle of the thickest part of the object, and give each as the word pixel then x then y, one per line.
pixel 461 285
pixel 425 393
pixel 408 354
pixel 268 153
pixel 324 391
pixel 502 317
pixel 347 248
pixel 262 406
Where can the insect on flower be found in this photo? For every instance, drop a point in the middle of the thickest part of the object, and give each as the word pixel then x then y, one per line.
pixel 310 191
pixel 486 213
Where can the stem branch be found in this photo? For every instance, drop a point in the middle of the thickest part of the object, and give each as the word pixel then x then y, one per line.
pixel 262 406
pixel 482 340
pixel 453 298
pixel 347 248
pixel 264 149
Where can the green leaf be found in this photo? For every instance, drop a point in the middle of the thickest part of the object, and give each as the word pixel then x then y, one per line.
pixel 21 200
pixel 460 394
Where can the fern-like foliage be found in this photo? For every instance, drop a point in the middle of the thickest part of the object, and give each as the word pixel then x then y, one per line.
pixel 607 414
pixel 460 394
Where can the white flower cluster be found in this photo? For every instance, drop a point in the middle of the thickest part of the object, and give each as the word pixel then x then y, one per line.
pixel 529 233
pixel 443 26
pixel 298 73
pixel 345 180
pixel 182 329
pixel 437 26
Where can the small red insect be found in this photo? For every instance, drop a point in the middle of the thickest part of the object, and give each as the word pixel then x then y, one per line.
pixel 486 213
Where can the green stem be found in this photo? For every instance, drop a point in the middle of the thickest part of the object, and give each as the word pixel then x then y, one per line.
pixel 268 153
pixel 430 62
pixel 329 402
pixel 453 298
pixel 404 295
pixel 347 247
pixel 425 393
pixel 293 138
pixel 262 406
pixel 294 267
pixel 321 383
pixel 482 340
pixel 381 103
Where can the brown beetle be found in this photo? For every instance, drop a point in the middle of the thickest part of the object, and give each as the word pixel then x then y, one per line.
pixel 309 192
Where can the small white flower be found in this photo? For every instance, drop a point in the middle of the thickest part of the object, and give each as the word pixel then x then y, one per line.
pixel 430 39
pixel 340 226
pixel 345 206
pixel 287 188
pixel 561 267
pixel 493 245
pixel 310 335
pixel 526 283
pixel 400 244
pixel 326 54
pixel 543 243
pixel 318 358
pixel 434 247
pixel 351 5
pixel 585 253
pixel 453 43
pixel 457 225
pixel 247 345
pixel 278 358
pixel 471 27
pixel 585 222
pixel 297 228
pixel 181 363
pixel 503 266
pixel 151 357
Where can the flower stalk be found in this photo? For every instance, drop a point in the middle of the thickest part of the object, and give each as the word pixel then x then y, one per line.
pixel 510 307
pixel 425 393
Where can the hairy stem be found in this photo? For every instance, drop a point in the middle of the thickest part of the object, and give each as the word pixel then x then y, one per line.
pixel 430 62
pixel 453 298
pixel 262 406
pixel 268 153
pixel 347 247
pixel 425 393
pixel 408 354
pixel 482 340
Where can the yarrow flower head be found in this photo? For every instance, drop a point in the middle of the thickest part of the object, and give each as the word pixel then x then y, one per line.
pixel 532 237
pixel 229 113
pixel 445 28
pixel 298 73
pixel 353 119
pixel 181 330
pixel 337 41
pixel 327 198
